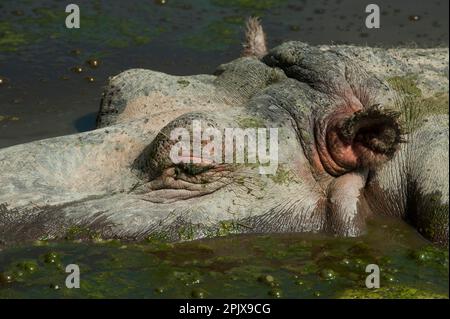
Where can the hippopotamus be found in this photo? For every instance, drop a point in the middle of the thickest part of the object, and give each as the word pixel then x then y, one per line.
pixel 361 132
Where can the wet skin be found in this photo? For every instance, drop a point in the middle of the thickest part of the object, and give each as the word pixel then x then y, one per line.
pixel 342 156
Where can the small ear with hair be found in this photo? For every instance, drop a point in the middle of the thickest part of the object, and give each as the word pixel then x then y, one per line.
pixel 255 39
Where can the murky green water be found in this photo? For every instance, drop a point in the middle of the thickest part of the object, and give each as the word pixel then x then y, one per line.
pixel 252 266
pixel 40 95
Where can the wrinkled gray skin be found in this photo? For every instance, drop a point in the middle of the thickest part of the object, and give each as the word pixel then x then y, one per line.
pixel 118 181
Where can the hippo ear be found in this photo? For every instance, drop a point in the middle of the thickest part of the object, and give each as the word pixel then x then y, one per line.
pixel 377 130
pixel 362 139
pixel 255 39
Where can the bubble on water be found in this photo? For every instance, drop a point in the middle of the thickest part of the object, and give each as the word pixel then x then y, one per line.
pixel 198 293
pixel 276 293
pixel 76 69
pixel 93 63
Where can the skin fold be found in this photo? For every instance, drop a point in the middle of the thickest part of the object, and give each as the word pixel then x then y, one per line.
pixel 344 154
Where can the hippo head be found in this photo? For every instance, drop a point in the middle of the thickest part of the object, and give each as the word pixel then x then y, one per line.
pixel 333 146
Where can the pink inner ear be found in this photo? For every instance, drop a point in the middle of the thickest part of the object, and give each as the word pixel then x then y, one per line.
pixel 343 154
pixel 363 139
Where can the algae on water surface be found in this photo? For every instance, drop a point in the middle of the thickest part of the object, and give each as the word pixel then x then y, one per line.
pixel 252 266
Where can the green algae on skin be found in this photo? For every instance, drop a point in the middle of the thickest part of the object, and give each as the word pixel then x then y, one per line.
pixel 183 83
pixel 251 122
pixel 283 176
pixel 406 85
pixel 414 107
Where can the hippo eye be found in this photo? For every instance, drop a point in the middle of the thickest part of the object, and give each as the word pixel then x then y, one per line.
pixel 183 181
pixel 190 169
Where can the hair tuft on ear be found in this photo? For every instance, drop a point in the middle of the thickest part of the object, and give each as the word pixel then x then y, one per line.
pixel 255 39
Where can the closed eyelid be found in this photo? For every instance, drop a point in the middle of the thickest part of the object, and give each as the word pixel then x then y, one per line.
pixel 199 161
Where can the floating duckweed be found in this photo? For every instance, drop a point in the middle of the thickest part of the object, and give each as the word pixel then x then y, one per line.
pixel 327 274
pixel 6 278
pixel 414 18
pixel 389 278
pixel 40 242
pixel 198 293
pixel 28 266
pixel 359 248
pixel 76 69
pixel 159 290
pixel 421 256
pixel 93 63
pixel 276 293
pixel 267 279
pixel 358 264
pixel 225 267
pixel 345 261
pixel 76 232
pixel 51 258
pixel 186 232
pixel 54 286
